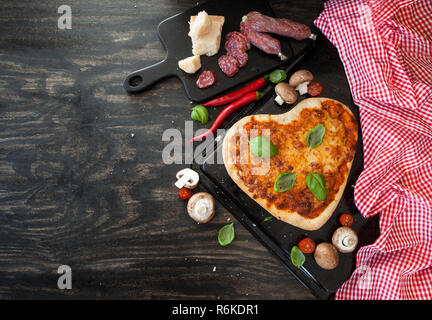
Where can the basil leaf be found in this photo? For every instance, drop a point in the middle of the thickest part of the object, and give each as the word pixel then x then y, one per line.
pixel 316 183
pixel 226 234
pixel 268 218
pixel 315 136
pixel 285 181
pixel 262 147
pixel 297 257
pixel 200 113
pixel 277 76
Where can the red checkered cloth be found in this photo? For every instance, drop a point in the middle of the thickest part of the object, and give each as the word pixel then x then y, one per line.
pixel 386 49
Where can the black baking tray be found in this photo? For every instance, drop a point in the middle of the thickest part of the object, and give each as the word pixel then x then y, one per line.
pixel 278 236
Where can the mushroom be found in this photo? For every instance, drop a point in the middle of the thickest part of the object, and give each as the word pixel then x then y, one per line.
pixel 326 256
pixel 187 178
pixel 285 93
pixel 345 239
pixel 300 80
pixel 201 207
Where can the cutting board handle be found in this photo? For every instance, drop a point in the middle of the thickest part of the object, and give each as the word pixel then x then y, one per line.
pixel 143 78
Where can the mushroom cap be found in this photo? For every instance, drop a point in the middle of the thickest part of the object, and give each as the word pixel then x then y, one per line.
pixel 286 92
pixel 300 77
pixel 201 207
pixel 345 239
pixel 326 256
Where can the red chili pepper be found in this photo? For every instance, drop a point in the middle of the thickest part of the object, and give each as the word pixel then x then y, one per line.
pixel 230 97
pixel 246 99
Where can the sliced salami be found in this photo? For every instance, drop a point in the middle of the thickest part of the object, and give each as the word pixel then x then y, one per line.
pixel 206 79
pixel 236 40
pixel 236 45
pixel 241 56
pixel 229 65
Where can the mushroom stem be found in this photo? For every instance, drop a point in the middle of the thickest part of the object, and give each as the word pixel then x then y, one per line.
pixel 302 88
pixel 279 100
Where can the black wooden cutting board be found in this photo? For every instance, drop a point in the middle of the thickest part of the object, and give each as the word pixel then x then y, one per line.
pixel 173 32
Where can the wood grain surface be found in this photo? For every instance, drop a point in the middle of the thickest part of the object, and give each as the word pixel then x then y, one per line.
pixel 82 182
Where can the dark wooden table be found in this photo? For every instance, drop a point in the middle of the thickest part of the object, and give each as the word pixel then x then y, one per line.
pixel 82 182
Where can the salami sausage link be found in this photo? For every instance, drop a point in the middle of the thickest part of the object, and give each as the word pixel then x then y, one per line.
pixel 284 27
pixel 263 41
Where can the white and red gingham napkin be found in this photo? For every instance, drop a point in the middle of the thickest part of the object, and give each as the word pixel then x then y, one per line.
pixel 386 49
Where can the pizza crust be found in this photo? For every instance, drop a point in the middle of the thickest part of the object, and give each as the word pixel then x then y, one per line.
pixel 287 216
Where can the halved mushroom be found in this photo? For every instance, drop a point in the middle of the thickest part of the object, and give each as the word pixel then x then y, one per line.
pixel 201 207
pixel 285 93
pixel 300 80
pixel 187 178
pixel 326 256
pixel 345 239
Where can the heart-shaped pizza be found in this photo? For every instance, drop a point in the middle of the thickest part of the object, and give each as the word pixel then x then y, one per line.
pixel 296 164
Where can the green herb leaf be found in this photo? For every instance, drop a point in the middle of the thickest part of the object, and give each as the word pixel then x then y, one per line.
pixel 262 147
pixel 316 183
pixel 315 136
pixel 226 234
pixel 268 218
pixel 200 113
pixel 285 181
pixel 277 76
pixel 297 257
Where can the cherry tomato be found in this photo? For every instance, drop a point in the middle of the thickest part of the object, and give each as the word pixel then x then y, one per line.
pixel 307 245
pixel 346 220
pixel 185 193
pixel 314 88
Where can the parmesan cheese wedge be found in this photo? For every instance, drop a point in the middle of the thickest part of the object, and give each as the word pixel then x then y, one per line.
pixel 206 36
pixel 190 65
